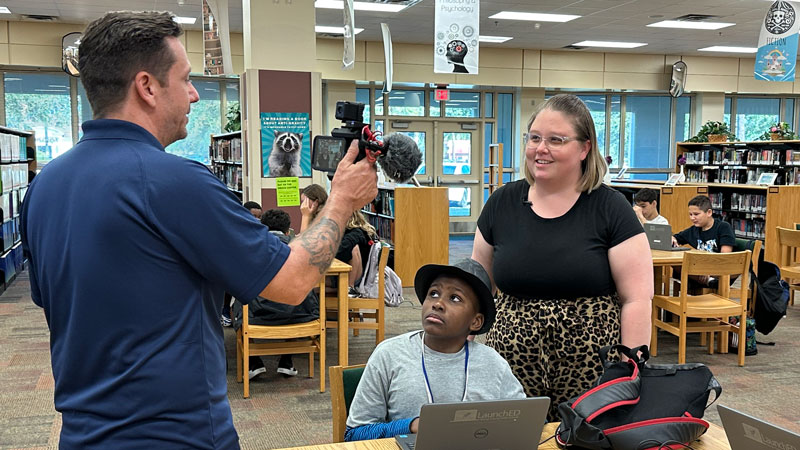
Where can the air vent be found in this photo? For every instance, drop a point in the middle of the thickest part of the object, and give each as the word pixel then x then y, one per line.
pixel 696 17
pixel 40 17
pixel 573 47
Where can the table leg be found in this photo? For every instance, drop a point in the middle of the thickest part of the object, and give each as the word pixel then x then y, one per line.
pixel 344 314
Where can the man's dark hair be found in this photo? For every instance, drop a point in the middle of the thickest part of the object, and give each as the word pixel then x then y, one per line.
pixel 117 46
pixel 702 202
pixel 251 205
pixel 277 219
pixel 646 195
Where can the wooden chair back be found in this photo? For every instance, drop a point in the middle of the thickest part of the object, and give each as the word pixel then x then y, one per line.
pixel 789 242
pixel 754 246
pixel 376 304
pixel 344 381
pixel 298 338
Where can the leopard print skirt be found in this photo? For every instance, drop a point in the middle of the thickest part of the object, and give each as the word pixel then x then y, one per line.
pixel 551 345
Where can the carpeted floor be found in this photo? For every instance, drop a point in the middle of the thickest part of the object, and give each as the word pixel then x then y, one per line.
pixel 284 412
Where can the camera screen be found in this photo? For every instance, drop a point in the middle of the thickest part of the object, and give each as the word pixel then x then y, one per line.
pixel 327 153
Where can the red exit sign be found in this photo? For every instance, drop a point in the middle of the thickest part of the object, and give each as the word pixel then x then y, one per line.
pixel 442 95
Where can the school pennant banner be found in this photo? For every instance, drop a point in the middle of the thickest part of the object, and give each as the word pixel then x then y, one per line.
pixel 777 43
pixel 456 31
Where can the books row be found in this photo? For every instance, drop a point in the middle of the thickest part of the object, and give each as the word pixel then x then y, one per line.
pixel 749 228
pixel 10 234
pixel 11 263
pixel 735 175
pixel 13 176
pixel 730 155
pixel 11 202
pixel 12 148
pixel 230 175
pixel 226 149
pixel 793 176
pixel 383 203
pixel 748 202
pixel 382 225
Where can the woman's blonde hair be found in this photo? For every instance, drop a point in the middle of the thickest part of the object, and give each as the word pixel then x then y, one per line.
pixel 357 220
pixel 593 167
pixel 316 193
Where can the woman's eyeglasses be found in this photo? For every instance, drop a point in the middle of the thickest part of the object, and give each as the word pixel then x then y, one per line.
pixel 550 142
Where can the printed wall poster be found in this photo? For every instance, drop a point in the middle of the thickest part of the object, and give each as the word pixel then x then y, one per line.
pixel 777 43
pixel 455 37
pixel 285 145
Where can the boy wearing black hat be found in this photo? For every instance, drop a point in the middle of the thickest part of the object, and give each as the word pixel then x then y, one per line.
pixel 436 364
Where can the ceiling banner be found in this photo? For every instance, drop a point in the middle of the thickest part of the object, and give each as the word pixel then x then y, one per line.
pixel 457 26
pixel 777 43
pixel 349 55
pixel 216 38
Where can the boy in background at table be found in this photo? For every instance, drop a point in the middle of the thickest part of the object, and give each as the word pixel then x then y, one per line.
pixel 436 364
pixel 646 207
pixel 706 233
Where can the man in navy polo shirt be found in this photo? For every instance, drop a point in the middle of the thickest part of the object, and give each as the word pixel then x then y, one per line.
pixel 131 278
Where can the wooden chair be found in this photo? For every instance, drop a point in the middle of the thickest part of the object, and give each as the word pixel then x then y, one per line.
pixel 754 246
pixel 717 306
pixel 308 337
pixel 789 242
pixel 344 380
pixel 374 306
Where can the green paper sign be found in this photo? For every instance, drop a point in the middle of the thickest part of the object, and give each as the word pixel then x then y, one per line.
pixel 288 190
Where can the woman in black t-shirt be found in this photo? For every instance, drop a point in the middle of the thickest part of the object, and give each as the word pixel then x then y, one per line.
pixel 568 257
pixel 358 237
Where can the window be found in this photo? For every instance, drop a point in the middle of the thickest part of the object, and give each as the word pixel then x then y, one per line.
pixel 597 107
pixel 614 124
pixel 362 96
pixel 84 108
pixel 204 120
pixel 406 103
pixel 40 102
pixel 726 117
pixel 434 110
pixel 378 102
pixel 788 112
pixel 463 104
pixel 683 119
pixel 232 95
pixel 488 130
pixel 488 105
pixel 505 126
pixel 754 116
pixel 647 121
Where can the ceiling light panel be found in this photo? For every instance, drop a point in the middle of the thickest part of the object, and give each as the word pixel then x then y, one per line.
pixel 185 20
pixel 610 44
pixel 335 30
pixel 726 49
pixel 360 6
pixel 534 17
pixel 4 10
pixel 691 25
pixel 494 39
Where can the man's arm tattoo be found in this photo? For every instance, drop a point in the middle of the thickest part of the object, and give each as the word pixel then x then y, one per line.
pixel 321 241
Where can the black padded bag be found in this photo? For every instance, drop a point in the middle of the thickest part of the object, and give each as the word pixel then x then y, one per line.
pixel 637 406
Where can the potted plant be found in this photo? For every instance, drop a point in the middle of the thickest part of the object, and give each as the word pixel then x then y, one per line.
pixel 713 131
pixel 778 132
pixel 234 116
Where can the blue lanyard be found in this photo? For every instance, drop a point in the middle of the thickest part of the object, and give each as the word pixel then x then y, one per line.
pixel 425 371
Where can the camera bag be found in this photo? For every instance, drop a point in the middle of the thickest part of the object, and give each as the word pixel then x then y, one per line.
pixel 637 406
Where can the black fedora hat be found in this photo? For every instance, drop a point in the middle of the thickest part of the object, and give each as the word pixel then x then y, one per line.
pixel 468 270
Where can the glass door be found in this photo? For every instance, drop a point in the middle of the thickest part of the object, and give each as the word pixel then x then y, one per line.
pixel 458 168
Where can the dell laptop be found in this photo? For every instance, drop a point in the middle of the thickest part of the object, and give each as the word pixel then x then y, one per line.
pixel 660 237
pixel 498 424
pixel 748 433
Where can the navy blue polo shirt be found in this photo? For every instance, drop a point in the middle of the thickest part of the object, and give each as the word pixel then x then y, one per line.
pixel 130 250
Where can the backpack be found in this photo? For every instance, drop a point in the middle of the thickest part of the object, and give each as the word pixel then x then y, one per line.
pixel 772 297
pixel 368 287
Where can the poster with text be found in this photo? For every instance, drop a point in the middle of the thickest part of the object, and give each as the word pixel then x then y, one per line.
pixel 285 145
pixel 777 44
pixel 455 36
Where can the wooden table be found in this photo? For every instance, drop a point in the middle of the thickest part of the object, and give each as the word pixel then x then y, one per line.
pixel 341 270
pixel 714 439
pixel 663 262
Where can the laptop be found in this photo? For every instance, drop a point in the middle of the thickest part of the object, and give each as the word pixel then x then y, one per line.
pixel 748 433
pixel 500 424
pixel 660 237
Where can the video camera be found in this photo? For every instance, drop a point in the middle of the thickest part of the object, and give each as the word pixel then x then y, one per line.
pixel 329 150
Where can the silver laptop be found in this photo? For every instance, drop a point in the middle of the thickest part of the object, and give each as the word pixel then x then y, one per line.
pixel 501 424
pixel 660 237
pixel 748 433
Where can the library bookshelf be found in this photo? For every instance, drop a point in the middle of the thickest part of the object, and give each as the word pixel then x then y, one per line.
pixel 226 155
pixel 17 159
pixel 415 221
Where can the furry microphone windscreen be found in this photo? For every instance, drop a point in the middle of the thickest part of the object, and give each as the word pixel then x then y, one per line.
pixel 401 159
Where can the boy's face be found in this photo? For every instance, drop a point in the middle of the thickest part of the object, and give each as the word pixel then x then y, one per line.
pixel 451 309
pixel 699 217
pixel 256 212
pixel 648 209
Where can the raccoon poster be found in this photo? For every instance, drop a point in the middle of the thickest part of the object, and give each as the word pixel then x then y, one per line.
pixel 285 145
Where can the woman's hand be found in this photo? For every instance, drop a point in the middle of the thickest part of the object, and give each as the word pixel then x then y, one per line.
pixel 308 207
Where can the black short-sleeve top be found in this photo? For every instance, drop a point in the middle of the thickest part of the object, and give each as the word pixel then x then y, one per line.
pixel 560 258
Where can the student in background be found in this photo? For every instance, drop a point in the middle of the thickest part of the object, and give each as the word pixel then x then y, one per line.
pixel 265 312
pixel 456 303
pixel 312 200
pixel 254 208
pixel 646 207
pixel 706 234
pixel 131 281
pixel 358 238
